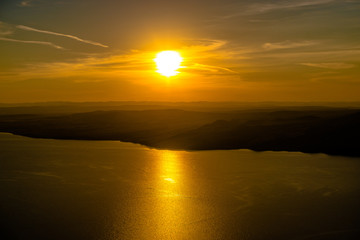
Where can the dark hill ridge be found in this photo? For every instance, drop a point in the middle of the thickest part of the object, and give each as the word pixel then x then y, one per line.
pixel 135 126
pixel 335 135
pixel 331 131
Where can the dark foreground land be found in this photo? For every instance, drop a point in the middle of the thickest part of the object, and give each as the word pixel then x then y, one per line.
pixel 330 130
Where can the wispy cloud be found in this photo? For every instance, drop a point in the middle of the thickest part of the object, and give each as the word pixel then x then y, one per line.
pixel 202 55
pixel 26 3
pixel 5 32
pixel 197 67
pixel 258 8
pixel 31 42
pixel 5 29
pixel 26 28
pixel 333 65
pixel 132 65
pixel 205 44
pixel 287 44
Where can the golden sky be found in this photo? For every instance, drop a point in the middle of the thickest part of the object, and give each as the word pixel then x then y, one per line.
pixel 233 50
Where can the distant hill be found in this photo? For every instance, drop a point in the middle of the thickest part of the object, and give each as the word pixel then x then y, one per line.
pixel 78 107
pixel 313 130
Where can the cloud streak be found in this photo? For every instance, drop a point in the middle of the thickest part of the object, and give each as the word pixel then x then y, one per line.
pixel 25 3
pixel 287 45
pixel 26 28
pixel 287 5
pixel 5 29
pixel 133 65
pixel 334 65
pixel 197 67
pixel 259 8
pixel 32 42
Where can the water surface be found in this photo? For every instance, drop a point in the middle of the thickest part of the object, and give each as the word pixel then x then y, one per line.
pixel 107 190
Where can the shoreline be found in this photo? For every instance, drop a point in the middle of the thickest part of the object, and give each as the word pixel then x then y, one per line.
pixel 184 149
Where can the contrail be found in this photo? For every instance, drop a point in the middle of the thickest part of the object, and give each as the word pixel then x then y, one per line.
pixel 60 34
pixel 34 42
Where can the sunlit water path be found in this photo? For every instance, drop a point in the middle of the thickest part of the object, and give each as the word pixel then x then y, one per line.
pixel 59 189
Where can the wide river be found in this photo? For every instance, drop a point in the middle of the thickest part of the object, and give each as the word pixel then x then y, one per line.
pixel 107 190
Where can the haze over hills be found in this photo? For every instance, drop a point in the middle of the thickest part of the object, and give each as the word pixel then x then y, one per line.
pixel 77 107
pixel 331 130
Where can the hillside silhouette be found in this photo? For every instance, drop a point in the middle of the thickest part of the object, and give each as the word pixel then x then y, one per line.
pixel 312 130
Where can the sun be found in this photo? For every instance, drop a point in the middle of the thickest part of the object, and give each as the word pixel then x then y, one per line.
pixel 167 62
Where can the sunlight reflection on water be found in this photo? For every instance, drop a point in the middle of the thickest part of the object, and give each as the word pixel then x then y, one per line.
pixel 169 208
pixel 108 190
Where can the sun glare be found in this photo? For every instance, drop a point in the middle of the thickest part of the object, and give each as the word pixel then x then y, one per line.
pixel 168 62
